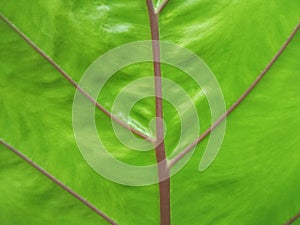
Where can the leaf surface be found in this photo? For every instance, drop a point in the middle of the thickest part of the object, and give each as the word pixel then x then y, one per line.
pixel 254 179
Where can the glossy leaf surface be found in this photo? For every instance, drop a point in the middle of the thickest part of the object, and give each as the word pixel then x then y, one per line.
pixel 255 178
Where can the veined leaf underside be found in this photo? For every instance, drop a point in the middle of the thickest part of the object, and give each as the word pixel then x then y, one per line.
pixel 165 186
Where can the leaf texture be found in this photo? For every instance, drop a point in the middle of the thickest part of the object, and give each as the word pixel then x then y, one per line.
pixel 255 178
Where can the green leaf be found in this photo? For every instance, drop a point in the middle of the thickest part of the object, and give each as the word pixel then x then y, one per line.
pixel 28 197
pixel 255 177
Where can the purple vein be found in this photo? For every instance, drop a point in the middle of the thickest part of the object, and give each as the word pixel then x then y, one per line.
pixel 71 81
pixel 161 7
pixel 163 171
pixel 58 182
pixel 237 103
pixel 293 219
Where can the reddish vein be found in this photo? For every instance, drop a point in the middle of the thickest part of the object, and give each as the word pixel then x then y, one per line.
pixel 237 103
pixel 161 6
pixel 58 182
pixel 163 171
pixel 71 81
pixel 293 219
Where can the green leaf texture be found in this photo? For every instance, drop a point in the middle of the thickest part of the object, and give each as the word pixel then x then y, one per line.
pixel 255 177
